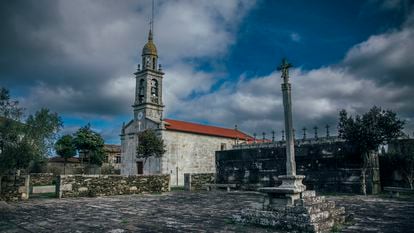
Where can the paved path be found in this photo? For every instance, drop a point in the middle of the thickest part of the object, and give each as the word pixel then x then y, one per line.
pixel 182 212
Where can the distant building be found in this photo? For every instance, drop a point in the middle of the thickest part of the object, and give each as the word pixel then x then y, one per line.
pixel 190 147
pixel 57 165
pixel 113 156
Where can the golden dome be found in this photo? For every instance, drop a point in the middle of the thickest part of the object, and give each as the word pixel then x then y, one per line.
pixel 149 47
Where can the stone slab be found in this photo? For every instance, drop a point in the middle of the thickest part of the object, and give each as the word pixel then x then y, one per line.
pixel 44 189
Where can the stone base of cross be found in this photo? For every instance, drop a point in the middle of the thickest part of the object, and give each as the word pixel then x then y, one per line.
pixel 285 194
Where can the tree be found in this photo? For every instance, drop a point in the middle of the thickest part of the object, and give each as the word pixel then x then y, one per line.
pixel 367 132
pixel 91 144
pixel 9 109
pixel 24 142
pixel 401 158
pixel 150 145
pixel 42 129
pixel 65 148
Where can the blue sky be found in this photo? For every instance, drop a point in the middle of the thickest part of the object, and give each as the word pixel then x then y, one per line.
pixel 219 57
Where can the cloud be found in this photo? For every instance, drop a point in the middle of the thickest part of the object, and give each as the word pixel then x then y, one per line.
pixel 377 71
pixel 386 58
pixel 295 37
pixel 77 57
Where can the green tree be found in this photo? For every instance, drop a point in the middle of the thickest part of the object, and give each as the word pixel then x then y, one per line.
pixel 401 158
pixel 367 132
pixel 149 145
pixel 65 148
pixel 90 144
pixel 9 109
pixel 22 143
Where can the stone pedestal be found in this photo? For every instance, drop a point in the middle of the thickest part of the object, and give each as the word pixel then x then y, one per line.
pixel 309 213
pixel 285 194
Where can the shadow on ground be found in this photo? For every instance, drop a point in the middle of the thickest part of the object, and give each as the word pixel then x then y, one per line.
pixel 184 212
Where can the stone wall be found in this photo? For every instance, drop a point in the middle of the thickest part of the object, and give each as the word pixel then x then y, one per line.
pixel 328 167
pixel 190 153
pixel 41 179
pixel 106 185
pixel 196 181
pixel 14 188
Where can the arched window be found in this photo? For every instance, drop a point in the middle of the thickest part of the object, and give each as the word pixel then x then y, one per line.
pixel 154 88
pixel 141 91
pixel 153 63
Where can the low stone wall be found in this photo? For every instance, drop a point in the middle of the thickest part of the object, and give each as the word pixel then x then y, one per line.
pixel 40 179
pixel 195 181
pixel 14 188
pixel 107 185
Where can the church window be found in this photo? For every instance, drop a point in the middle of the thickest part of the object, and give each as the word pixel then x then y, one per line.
pixel 223 146
pixel 154 88
pixel 141 91
pixel 153 63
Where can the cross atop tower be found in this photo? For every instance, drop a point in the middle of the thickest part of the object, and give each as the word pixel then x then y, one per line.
pixel 284 67
pixel 152 18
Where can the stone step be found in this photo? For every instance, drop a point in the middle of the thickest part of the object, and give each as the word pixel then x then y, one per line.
pixel 308 193
pixel 319 207
pixel 310 200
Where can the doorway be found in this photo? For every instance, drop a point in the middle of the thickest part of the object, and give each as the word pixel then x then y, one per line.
pixel 140 168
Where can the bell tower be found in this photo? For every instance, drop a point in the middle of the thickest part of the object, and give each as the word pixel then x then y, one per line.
pixel 148 92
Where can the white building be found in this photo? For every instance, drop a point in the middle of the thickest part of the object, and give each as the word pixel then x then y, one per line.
pixel 190 147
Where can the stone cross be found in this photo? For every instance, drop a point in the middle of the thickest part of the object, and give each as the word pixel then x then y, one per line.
pixel 284 68
pixel 316 131
pixel 327 130
pixel 287 106
pixel 304 132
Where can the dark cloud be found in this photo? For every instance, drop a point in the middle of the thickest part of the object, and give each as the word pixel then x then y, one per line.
pixel 77 57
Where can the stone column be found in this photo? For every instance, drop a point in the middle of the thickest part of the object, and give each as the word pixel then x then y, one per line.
pixel 292 186
pixel 290 146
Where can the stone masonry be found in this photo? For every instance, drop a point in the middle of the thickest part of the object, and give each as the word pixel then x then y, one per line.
pixel 40 179
pixel 196 181
pixel 14 188
pixel 105 185
pixel 311 213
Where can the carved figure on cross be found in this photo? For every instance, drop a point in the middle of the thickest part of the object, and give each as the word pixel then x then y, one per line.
pixel 284 68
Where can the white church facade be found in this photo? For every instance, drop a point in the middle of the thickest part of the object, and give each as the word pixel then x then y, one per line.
pixel 190 147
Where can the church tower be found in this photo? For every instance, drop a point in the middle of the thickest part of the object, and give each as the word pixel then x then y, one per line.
pixel 148 103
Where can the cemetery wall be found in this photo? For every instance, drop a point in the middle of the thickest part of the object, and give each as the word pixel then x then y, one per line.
pixel 328 167
pixel 106 185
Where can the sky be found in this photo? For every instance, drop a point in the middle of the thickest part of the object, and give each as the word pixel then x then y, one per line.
pixel 78 57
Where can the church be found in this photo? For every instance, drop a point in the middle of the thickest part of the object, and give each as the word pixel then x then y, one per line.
pixel 190 147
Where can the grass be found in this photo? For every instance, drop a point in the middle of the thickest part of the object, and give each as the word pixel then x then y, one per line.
pixel 336 228
pixel 124 221
pixel 178 188
pixel 43 195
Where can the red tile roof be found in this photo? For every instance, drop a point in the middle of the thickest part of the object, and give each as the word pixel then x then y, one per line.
pixel 190 127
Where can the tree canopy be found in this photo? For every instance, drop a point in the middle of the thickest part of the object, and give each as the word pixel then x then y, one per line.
pixel 90 143
pixel 149 144
pixel 369 131
pixel 23 142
